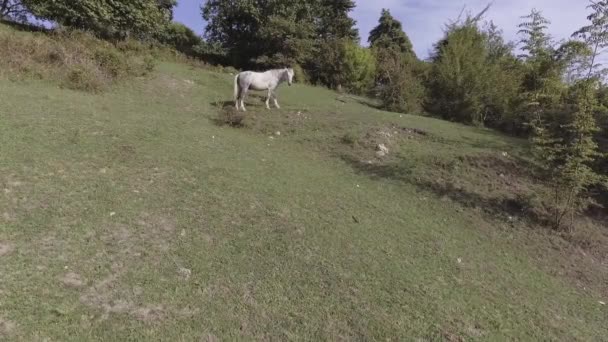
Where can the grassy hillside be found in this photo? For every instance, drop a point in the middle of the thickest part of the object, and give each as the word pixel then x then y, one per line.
pixel 135 215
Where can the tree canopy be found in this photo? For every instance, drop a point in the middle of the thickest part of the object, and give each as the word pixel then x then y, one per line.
pixel 389 34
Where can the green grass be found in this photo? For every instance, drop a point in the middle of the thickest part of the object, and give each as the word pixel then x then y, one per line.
pixel 174 228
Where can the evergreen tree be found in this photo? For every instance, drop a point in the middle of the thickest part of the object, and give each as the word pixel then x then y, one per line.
pixel 389 34
pixel 596 36
pixel 334 21
pixel 536 43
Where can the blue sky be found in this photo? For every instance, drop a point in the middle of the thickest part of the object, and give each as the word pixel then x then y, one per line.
pixel 423 20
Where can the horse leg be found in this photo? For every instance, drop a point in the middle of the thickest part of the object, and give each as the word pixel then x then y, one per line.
pixel 276 102
pixel 268 99
pixel 243 96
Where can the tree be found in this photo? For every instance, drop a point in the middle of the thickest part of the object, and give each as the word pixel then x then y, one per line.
pixel 536 42
pixel 475 78
pixel 566 143
pixel 254 32
pixel 359 67
pixel 106 18
pixel 568 151
pixel 12 10
pixel 334 21
pixel 398 81
pixel 389 34
pixel 182 38
pixel 595 35
pixel 275 33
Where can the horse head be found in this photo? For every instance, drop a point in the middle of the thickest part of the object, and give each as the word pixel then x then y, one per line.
pixel 290 74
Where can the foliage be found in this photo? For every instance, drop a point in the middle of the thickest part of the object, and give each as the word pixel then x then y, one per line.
pixel 359 67
pixel 181 38
pixel 106 18
pixel 73 59
pixel 568 151
pixel 13 10
pixel 389 34
pixel 474 78
pixel 565 129
pixel 274 33
pixel 398 81
pixel 536 41
pixel 595 35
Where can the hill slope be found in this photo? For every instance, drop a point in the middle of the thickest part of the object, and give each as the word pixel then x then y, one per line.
pixel 133 215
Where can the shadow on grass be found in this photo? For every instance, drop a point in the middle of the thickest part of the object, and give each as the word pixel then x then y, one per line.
pixel 25 27
pixel 496 207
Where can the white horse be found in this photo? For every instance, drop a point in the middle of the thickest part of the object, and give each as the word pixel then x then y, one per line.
pixel 267 81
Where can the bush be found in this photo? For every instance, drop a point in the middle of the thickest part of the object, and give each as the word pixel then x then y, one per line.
pixel 85 78
pixel 398 81
pixel 228 115
pixel 74 59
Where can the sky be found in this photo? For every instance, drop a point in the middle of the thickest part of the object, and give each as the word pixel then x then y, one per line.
pixel 423 20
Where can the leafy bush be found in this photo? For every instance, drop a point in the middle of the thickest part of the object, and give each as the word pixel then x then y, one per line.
pixel 398 81
pixel 74 59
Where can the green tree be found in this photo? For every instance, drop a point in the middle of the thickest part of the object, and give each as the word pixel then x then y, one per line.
pixel 535 42
pixel 595 35
pixel 359 67
pixel 398 81
pixel 271 33
pixel 475 78
pixel 389 34
pixel 12 10
pixel 181 38
pixel 254 32
pixel 566 143
pixel 569 150
pixel 334 21
pixel 106 18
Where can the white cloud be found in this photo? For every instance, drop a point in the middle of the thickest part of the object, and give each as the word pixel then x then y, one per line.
pixel 424 20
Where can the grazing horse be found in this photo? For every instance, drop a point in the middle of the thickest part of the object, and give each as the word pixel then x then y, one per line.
pixel 267 81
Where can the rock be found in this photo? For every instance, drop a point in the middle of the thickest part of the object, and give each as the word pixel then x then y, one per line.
pixel 381 150
pixel 185 273
pixel 278 134
pixel 72 280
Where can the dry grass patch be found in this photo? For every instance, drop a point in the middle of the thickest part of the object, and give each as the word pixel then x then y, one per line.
pixel 73 59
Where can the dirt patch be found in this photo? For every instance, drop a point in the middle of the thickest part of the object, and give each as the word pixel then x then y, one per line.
pixel 149 314
pixel 108 297
pixel 72 280
pixel 5 248
pixel 6 327
pixel 390 135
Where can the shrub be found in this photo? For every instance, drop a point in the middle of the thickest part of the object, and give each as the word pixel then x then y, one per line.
pixel 74 59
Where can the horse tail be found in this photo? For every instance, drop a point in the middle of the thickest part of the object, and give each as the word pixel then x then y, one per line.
pixel 236 88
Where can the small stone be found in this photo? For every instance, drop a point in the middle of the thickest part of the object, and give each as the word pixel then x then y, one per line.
pixel 602 303
pixel 459 260
pixel 112 214
pixel 72 280
pixel 381 150
pixel 277 133
pixel 185 273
